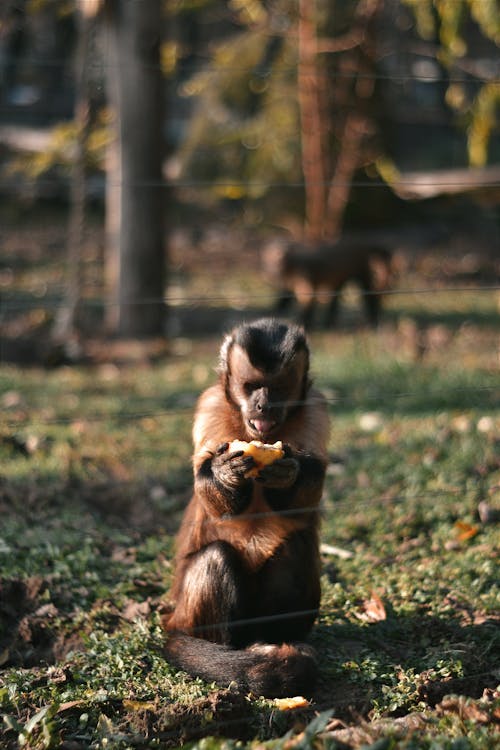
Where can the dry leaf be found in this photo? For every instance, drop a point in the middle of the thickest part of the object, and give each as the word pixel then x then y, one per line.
pixel 132 705
pixel 135 610
pixel 70 705
pixel 370 421
pixel 465 531
pixel 329 549
pixel 373 610
pixel 470 710
pixel 487 513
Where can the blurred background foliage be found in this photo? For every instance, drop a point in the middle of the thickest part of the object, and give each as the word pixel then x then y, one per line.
pixel 233 120
pixel 310 116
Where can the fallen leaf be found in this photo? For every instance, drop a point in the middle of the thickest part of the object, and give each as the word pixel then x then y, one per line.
pixel 335 724
pixel 134 610
pixel 467 709
pixel 10 399
pixel 329 549
pixel 370 421
pixel 132 705
pixel 68 705
pixel 487 513
pixel 373 610
pixel 461 424
pixel 485 424
pixel 465 531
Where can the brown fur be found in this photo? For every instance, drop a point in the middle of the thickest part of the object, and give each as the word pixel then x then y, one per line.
pixel 247 550
pixel 316 274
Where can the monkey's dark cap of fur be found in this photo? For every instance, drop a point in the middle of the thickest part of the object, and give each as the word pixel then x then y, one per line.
pixel 270 343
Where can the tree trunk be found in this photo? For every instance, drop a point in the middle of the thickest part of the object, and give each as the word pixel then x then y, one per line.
pixel 113 193
pixel 348 161
pixel 311 120
pixel 65 327
pixel 136 87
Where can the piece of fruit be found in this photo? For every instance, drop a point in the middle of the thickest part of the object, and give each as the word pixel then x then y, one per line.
pixel 289 704
pixel 262 453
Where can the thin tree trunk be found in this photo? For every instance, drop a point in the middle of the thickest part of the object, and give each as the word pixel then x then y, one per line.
pixel 348 161
pixel 113 194
pixel 135 262
pixel 357 122
pixel 312 126
pixel 140 94
pixel 66 320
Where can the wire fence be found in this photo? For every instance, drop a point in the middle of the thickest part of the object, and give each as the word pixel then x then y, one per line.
pixel 404 182
pixel 49 301
pixel 342 705
pixel 193 300
pixel 203 64
pixel 337 400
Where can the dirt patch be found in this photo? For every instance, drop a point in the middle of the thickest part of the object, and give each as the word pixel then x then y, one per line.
pixel 474 686
pixel 29 629
pixel 224 712
pixel 130 505
pixel 484 711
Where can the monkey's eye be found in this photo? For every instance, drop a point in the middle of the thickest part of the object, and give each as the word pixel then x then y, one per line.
pixel 251 386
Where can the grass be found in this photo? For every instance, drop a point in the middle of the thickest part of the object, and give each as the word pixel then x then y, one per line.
pixel 95 473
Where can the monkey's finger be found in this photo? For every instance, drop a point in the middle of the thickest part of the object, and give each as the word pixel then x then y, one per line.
pixel 241 463
pixel 281 473
pixel 222 448
pixel 286 463
pixel 235 454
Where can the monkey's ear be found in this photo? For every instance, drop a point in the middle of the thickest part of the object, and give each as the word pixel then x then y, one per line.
pixel 223 369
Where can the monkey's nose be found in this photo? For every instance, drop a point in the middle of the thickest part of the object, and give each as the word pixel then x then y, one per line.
pixel 262 402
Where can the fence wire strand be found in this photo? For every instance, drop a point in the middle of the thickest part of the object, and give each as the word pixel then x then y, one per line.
pixel 332 401
pixel 192 300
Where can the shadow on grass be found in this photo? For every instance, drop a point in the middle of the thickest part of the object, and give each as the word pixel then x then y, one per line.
pixel 404 661
pixel 394 667
pixel 30 343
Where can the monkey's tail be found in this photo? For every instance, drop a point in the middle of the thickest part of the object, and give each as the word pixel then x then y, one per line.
pixel 269 670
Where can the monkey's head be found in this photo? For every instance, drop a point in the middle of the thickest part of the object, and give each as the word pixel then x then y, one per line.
pixel 264 368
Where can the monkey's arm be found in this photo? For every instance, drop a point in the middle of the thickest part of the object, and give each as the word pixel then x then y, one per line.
pixel 219 475
pixel 221 483
pixel 295 481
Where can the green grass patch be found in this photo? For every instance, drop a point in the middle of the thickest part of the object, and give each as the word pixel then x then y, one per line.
pixel 95 471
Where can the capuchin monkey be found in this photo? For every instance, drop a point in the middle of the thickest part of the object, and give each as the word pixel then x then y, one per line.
pixel 246 589
pixel 317 273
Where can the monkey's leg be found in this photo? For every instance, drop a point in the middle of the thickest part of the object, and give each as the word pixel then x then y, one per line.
pixel 284 302
pixel 332 310
pixel 305 295
pixel 212 596
pixel 289 590
pixel 371 300
pixel 306 316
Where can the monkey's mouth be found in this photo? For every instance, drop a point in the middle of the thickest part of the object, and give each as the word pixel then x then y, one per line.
pixel 262 426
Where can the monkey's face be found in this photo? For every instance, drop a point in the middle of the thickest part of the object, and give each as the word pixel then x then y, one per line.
pixel 265 399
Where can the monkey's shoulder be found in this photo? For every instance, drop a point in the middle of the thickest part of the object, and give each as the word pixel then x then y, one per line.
pixel 308 428
pixel 214 423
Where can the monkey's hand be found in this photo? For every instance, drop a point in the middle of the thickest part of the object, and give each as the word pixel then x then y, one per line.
pixel 280 474
pixel 229 469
